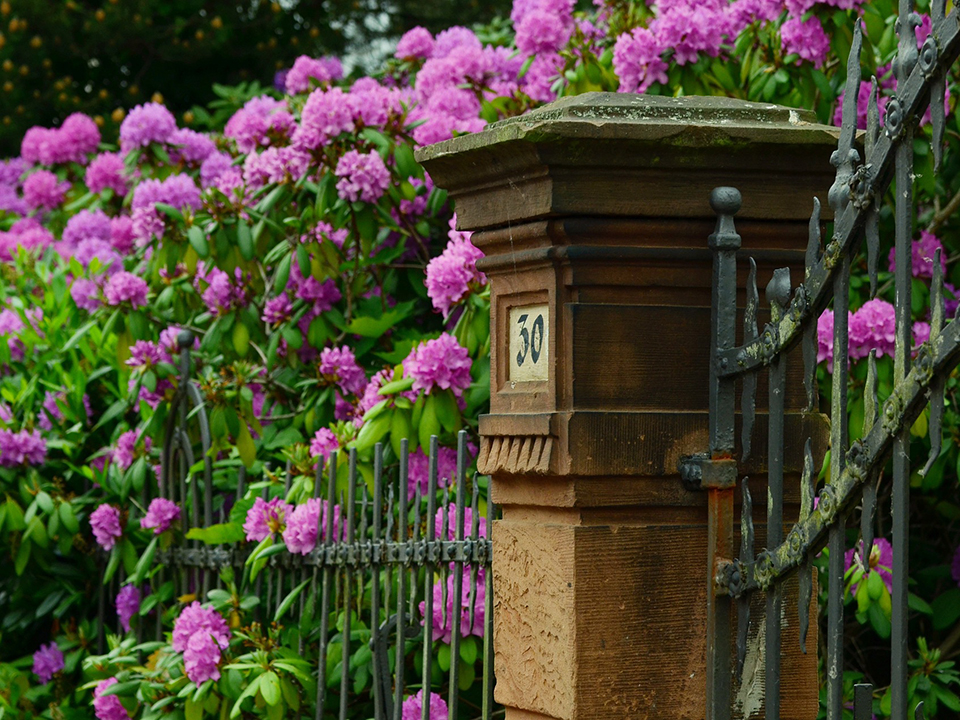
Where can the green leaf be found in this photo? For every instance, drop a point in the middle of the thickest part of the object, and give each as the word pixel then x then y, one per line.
pixel 946 609
pixel 124 688
pixel 78 335
pixel 443 657
pixel 401 427
pixel 112 564
pixel 375 327
pixel 146 562
pixel 241 338
pixel 468 650
pixel 245 446
pixel 396 386
pixel 372 432
pixel 68 517
pixel 407 165
pixel 250 691
pixel 283 274
pixel 218 534
pixel 193 710
pixel 289 600
pixel 429 423
pixel 270 687
pixel 918 604
pixel 879 621
pixel 198 241
pixel 23 555
pixel 169 211
pixel 245 240
pixel 447 411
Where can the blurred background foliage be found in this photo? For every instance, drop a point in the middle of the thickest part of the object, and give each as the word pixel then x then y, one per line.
pixel 102 57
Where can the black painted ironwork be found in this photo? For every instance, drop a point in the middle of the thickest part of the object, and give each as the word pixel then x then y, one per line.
pixel 382 540
pixel 854 467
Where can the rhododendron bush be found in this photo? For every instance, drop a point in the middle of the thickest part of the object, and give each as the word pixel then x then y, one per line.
pixel 329 303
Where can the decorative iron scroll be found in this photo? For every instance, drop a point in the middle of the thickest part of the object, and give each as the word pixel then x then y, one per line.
pixel 367 557
pixel 854 467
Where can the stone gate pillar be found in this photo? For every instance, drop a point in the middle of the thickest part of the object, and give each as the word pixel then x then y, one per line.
pixel 593 214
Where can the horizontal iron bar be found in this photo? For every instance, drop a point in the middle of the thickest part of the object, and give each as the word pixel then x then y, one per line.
pixel 872 177
pixel 354 555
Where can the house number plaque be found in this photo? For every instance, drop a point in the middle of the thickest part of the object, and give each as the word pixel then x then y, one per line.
pixel 529 349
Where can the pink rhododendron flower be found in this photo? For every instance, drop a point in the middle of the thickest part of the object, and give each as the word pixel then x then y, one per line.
pixel 47 662
pixel 412 708
pixel 881 560
pixel 324 443
pixel 42 190
pixel 108 707
pixel 363 176
pixel 196 619
pixel 442 622
pixel 128 605
pixel 415 43
pixel 105 523
pixel 126 287
pixel 308 522
pixel 161 514
pixel 266 518
pixel 441 363
pixel 145 124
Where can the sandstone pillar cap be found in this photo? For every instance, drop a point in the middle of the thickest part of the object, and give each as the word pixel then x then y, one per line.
pixel 625 154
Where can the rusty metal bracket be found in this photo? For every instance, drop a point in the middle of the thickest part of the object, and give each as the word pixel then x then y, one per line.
pixel 701 472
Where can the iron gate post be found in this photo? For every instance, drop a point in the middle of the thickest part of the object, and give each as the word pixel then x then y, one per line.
pixel 593 214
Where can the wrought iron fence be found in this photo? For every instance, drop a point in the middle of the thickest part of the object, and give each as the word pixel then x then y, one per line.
pixel 380 558
pixel 854 467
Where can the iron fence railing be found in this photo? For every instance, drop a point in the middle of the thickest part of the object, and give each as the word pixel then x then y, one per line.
pixel 854 467
pixel 384 560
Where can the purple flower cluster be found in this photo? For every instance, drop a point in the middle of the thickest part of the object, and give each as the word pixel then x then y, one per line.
pixel 308 522
pixel 146 124
pixel 126 288
pixel 47 662
pixel 108 707
pixel 412 708
pixel 443 618
pixel 275 165
pixel 363 176
pixel 26 447
pixel 128 605
pixel 42 190
pixel 71 142
pixel 266 518
pixel 418 470
pixel 922 254
pixel 542 26
pixel 190 147
pixel 806 38
pixel 126 450
pixel 161 514
pixel 441 363
pixel 638 60
pixel 339 366
pixel 306 69
pixel 451 275
pixel 416 43
pixel 26 233
pixel 222 294
pixel 880 560
pixel 105 523
pixel 261 122
pixel 324 443
pixel 201 634
pixel 107 171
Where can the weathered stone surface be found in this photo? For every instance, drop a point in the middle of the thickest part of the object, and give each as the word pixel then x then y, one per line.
pixel 632 155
